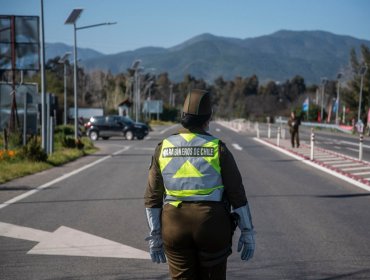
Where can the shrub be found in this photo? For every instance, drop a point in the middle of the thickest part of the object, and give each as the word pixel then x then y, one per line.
pixel 65 129
pixel 33 151
pixel 14 140
pixel 68 142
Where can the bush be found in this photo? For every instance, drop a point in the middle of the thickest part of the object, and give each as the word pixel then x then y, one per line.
pixel 68 142
pixel 65 129
pixel 15 140
pixel 33 151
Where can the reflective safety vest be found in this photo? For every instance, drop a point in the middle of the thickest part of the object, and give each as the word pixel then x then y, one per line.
pixel 190 167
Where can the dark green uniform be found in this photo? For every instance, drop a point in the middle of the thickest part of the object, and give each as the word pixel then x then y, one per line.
pixel 293 124
pixel 197 234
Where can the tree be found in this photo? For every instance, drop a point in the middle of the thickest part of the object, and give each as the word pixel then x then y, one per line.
pixel 351 96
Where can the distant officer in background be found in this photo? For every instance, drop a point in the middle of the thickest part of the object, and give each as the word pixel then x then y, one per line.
pixel 193 179
pixel 294 123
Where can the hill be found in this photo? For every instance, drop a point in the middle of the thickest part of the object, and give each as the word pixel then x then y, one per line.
pixel 278 56
pixel 59 49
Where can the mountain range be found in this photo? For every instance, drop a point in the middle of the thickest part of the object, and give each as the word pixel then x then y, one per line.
pixel 279 56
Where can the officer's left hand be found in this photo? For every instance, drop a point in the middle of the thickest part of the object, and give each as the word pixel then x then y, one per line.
pixel 156 248
pixel 246 245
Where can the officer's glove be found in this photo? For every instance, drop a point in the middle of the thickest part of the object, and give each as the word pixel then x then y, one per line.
pixel 155 240
pixel 246 242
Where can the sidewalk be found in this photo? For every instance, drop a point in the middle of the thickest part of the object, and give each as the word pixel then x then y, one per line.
pixel 347 168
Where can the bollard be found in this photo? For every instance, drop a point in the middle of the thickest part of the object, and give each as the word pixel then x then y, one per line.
pixel 360 147
pixel 278 136
pixel 269 131
pixel 312 144
pixel 258 131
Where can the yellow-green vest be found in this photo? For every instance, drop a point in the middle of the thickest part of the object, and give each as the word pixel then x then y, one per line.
pixel 190 167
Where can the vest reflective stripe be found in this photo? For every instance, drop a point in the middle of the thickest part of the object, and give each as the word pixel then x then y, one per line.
pixel 190 167
pixel 215 195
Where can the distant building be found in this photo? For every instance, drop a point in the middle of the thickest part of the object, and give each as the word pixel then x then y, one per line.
pixel 124 106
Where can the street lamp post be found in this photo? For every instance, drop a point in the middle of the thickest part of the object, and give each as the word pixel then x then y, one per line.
pixel 44 140
pixel 64 61
pixel 362 73
pixel 323 83
pixel 135 66
pixel 72 19
pixel 339 76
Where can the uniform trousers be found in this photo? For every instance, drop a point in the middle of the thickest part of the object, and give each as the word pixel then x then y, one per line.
pixel 197 238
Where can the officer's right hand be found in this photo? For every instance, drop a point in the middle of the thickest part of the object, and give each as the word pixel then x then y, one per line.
pixel 246 245
pixel 156 248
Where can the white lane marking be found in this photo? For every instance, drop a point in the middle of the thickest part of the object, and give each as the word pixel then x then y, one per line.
pixel 61 178
pixel 70 242
pixel 337 160
pixel 356 168
pixel 324 156
pixel 167 129
pixel 362 173
pixel 346 164
pixel 236 146
pixel 309 162
pixel 218 130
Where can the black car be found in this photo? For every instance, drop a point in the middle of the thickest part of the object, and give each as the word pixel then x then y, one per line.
pixel 113 125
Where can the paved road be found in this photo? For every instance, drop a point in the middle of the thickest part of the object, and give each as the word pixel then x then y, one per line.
pixel 309 224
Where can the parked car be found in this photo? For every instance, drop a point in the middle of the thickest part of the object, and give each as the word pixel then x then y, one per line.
pixel 113 125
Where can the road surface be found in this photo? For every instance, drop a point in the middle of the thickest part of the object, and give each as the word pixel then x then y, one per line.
pixel 92 225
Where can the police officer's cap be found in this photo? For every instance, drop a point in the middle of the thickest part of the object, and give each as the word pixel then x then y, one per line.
pixel 198 102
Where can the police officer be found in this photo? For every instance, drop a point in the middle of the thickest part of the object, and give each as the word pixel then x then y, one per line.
pixel 193 179
pixel 294 122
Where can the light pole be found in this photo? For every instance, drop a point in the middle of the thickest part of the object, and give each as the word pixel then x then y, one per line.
pixel 72 18
pixel 63 60
pixel 170 101
pixel 135 66
pixel 339 76
pixel 323 83
pixel 149 89
pixel 362 73
pixel 44 140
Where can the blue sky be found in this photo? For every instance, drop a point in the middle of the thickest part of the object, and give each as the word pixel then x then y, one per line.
pixel 166 23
